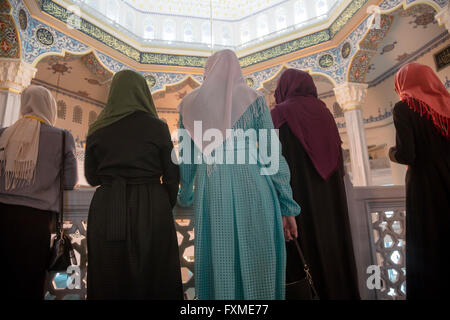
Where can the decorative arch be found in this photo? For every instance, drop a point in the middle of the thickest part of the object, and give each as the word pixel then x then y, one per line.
pixel 270 84
pixel 322 75
pixel 9 37
pixel 389 6
pixel 91 52
pixel 173 87
pixel 368 46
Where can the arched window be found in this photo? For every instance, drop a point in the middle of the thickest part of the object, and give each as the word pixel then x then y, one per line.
pixel 281 19
pixel 226 35
pixel 321 7
pixel 149 29
pixel 188 34
pixel 112 10
pixel 206 32
pixel 77 115
pixel 130 20
pixel 245 33
pixel 91 3
pixel 263 27
pixel 301 15
pixel 169 30
pixel 62 109
pixel 92 117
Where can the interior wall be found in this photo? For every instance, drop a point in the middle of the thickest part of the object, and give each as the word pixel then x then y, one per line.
pixel 380 101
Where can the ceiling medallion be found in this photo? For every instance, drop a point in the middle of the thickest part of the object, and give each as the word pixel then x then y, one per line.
pixel 346 49
pixel 250 82
pixel 326 61
pixel 151 81
pixel 23 20
pixel 44 36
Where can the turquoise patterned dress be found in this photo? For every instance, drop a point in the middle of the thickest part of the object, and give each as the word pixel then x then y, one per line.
pixel 239 239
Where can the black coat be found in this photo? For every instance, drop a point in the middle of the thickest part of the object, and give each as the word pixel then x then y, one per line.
pixel 132 242
pixel 427 154
pixel 323 225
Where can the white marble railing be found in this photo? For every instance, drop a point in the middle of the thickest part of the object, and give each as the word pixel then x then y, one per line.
pixel 76 216
pixel 378 228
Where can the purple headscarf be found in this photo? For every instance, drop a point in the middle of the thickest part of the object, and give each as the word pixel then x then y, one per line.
pixel 309 120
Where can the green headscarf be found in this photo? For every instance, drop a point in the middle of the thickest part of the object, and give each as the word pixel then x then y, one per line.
pixel 129 93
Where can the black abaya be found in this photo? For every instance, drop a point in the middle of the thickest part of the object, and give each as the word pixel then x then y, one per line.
pixel 427 154
pixel 25 250
pixel 132 243
pixel 323 225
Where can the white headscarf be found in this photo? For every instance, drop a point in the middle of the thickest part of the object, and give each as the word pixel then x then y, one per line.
pixel 221 100
pixel 19 144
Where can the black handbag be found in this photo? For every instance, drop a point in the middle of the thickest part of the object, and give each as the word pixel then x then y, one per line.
pixel 62 254
pixel 302 289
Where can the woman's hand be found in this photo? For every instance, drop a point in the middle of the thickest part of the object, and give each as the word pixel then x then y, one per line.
pixel 290 228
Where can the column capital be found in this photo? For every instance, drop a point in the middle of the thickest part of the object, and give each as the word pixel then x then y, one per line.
pixel 351 95
pixel 15 74
pixel 443 17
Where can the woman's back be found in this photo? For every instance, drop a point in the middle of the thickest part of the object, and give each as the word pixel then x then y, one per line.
pixel 131 236
pixel 239 237
pixel 423 144
pixel 43 193
pixel 132 147
pixel 419 141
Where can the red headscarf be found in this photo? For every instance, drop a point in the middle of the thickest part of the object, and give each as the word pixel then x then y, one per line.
pixel 309 120
pixel 423 91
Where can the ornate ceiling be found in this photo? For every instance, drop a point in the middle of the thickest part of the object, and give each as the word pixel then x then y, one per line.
pixel 187 23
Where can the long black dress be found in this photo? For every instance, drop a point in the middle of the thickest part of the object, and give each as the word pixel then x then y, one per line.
pixel 323 225
pixel 132 243
pixel 427 154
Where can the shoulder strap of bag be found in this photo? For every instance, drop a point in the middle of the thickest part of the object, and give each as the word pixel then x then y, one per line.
pixel 306 268
pixel 61 184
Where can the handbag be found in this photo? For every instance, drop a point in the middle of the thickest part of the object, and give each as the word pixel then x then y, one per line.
pixel 62 254
pixel 302 289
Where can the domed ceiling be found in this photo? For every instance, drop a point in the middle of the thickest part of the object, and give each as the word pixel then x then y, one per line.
pixel 236 24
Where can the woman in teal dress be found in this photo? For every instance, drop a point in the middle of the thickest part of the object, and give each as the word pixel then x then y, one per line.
pixel 239 211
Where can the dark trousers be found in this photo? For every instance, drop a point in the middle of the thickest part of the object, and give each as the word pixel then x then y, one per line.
pixel 25 248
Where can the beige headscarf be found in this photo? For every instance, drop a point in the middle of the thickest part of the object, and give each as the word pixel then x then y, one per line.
pixel 221 100
pixel 19 144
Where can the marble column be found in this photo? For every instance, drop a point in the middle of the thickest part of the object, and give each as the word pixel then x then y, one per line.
pixel 443 17
pixel 351 97
pixel 15 75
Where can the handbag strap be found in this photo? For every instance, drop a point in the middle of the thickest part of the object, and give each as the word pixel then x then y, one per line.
pixel 306 268
pixel 60 222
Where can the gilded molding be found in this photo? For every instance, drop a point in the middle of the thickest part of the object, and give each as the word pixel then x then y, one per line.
pixel 345 16
pixel 285 48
